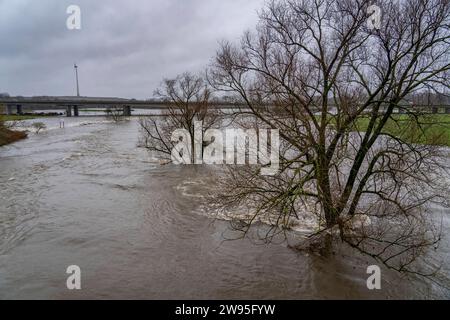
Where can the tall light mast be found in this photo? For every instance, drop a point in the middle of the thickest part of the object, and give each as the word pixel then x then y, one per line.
pixel 76 75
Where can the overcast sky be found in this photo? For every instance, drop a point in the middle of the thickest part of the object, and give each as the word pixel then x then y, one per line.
pixel 124 48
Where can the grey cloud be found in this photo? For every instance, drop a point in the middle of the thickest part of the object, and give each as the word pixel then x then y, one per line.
pixel 125 48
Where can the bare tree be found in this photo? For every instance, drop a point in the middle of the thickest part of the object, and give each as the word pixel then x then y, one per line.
pixel 115 113
pixel 189 97
pixel 316 70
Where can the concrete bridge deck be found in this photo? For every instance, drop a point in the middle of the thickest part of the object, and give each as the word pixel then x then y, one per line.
pixel 72 105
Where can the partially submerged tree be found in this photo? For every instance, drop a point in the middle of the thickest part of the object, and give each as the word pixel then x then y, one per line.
pixel 115 113
pixel 38 127
pixel 319 72
pixel 188 98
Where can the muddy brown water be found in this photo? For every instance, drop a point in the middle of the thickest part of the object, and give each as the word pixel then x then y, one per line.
pixel 86 196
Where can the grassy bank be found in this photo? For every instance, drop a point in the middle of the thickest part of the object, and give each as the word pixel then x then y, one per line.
pixel 17 117
pixel 433 129
pixel 8 136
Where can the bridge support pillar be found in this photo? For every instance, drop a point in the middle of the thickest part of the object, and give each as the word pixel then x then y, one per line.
pixel 9 109
pixel 76 113
pixel 19 109
pixel 68 111
pixel 127 111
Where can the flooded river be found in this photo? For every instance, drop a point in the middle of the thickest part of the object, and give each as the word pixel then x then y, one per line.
pixel 87 196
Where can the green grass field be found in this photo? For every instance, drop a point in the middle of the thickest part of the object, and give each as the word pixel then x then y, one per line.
pixel 14 117
pixel 434 129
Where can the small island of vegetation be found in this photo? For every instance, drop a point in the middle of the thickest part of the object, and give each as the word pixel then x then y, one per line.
pixel 9 136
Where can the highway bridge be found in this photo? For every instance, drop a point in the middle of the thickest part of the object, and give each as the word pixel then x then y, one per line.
pixel 72 105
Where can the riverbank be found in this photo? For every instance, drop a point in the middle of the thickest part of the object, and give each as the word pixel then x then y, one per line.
pixel 16 117
pixel 434 128
pixel 9 136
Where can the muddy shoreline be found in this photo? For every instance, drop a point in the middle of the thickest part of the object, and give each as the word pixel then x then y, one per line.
pixel 9 136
